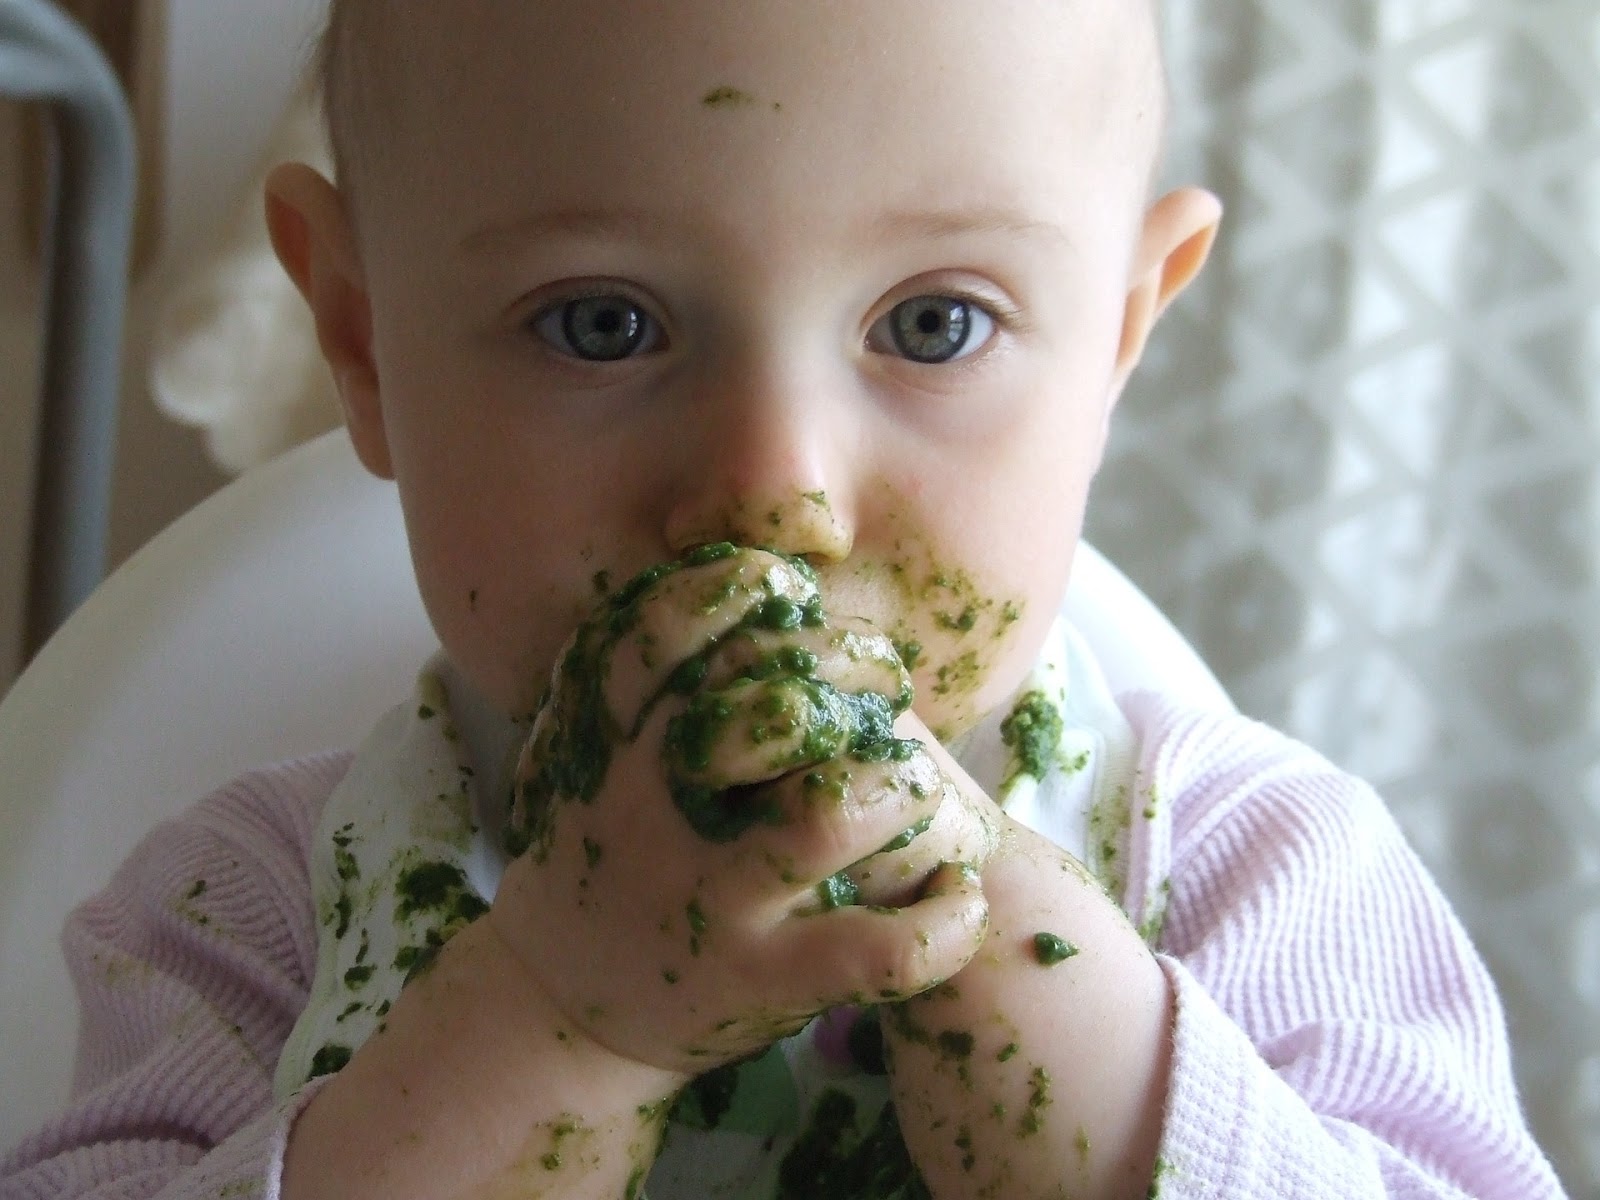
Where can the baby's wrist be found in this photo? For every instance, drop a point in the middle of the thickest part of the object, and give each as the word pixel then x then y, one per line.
pixel 540 1019
pixel 476 1082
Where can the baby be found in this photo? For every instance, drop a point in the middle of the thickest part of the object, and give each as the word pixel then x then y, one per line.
pixel 743 369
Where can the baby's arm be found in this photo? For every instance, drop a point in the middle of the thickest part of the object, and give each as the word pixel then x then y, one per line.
pixel 1332 1033
pixel 1336 1034
pixel 1041 1069
pixel 189 967
pixel 666 916
pixel 479 1087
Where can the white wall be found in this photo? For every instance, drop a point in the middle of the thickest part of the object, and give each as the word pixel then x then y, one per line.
pixel 231 65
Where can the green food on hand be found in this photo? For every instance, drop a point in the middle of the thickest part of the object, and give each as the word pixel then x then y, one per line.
pixel 779 701
pixel 1050 949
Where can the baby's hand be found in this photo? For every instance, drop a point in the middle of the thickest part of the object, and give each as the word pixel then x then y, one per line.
pixel 1042 1065
pixel 710 758
pixel 847 674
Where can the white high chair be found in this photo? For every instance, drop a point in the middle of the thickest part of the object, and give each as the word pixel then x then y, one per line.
pixel 278 618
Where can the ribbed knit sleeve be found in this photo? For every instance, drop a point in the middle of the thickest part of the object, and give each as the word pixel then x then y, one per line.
pixel 190 967
pixel 1336 1033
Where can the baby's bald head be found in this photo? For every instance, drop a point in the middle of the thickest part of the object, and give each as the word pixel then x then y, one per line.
pixel 372 67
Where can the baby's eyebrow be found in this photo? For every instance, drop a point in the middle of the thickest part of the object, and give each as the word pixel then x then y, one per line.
pixel 944 223
pixel 583 223
pixel 626 224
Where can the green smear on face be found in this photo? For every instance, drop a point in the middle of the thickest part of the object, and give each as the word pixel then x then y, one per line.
pixel 727 96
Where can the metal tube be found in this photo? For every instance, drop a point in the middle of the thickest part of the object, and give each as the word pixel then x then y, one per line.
pixel 45 56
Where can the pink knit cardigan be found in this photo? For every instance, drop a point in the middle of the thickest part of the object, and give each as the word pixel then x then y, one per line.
pixel 1336 1035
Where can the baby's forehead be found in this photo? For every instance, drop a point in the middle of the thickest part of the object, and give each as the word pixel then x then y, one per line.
pixel 388 68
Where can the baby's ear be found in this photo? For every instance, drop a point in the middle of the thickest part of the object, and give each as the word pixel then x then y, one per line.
pixel 311 232
pixel 1179 231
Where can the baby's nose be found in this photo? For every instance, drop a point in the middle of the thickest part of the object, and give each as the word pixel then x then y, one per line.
pixel 802 523
pixel 768 480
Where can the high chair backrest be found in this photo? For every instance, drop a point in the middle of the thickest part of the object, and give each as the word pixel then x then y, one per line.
pixel 278 618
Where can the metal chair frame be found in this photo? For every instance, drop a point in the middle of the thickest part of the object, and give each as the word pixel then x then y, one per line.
pixel 47 57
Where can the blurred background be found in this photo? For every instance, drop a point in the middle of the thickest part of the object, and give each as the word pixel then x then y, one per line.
pixel 1360 470
pixel 1361 467
pixel 209 81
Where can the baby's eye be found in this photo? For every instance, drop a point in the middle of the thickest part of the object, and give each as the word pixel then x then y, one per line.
pixel 598 328
pixel 933 329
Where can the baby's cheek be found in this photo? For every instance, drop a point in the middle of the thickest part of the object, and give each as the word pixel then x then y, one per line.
pixel 506 644
pixel 965 638
pixel 959 678
pixel 966 652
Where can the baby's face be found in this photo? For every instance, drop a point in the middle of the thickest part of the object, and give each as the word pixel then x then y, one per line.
pixel 844 280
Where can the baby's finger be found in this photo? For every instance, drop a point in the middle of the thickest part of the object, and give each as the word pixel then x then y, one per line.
pixel 809 826
pixel 876 954
pixel 960 830
pixel 755 730
pixel 851 654
pixel 668 620
pixel 822 819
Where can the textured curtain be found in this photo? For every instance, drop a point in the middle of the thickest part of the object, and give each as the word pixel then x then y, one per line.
pixel 1361 467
